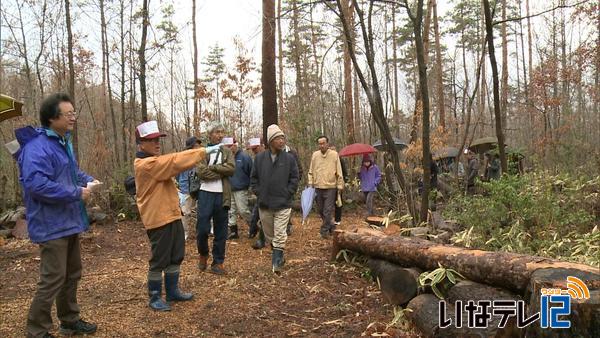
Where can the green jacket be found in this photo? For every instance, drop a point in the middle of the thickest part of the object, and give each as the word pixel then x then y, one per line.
pixel 219 171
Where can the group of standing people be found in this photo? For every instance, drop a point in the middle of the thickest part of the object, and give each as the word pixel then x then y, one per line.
pixel 55 190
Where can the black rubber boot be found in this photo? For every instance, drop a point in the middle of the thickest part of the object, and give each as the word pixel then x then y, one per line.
pixel 277 260
pixel 260 242
pixel 154 291
pixel 173 292
pixel 233 232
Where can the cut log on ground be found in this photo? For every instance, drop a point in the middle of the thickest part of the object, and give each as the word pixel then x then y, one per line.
pixel 467 290
pixel 399 285
pixel 508 270
pixel 585 313
pixel 424 313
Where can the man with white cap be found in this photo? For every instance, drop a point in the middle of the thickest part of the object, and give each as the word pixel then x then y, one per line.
pixel 158 204
pixel 214 200
pixel 274 180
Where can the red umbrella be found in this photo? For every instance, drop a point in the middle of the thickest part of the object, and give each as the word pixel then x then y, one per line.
pixel 357 149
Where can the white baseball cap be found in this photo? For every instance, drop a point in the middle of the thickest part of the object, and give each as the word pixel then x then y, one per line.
pixel 148 130
pixel 254 142
pixel 228 141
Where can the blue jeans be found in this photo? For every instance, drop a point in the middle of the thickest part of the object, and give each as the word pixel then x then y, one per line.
pixel 210 206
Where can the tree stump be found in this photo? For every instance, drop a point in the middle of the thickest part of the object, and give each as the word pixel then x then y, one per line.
pixel 585 313
pixel 398 285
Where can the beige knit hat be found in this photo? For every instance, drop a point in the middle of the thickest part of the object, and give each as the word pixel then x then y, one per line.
pixel 273 131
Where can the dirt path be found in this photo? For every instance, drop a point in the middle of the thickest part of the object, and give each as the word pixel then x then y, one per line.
pixel 313 297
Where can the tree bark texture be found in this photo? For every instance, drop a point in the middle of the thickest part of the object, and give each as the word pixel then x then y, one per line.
pixel 142 61
pixel 507 270
pixel 268 79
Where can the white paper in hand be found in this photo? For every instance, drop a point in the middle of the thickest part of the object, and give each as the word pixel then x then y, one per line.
pixel 94 186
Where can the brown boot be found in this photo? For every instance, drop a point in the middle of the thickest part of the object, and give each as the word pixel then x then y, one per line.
pixel 217 269
pixel 202 263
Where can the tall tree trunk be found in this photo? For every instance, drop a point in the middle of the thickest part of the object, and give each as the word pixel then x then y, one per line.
pixel 195 65
pixel 494 64
pixel 71 70
pixel 172 98
pixel 142 60
pixel 348 111
pixel 117 154
pixel 123 131
pixel 418 98
pixel 280 59
pixel 395 56
pixel 504 86
pixel 424 91
pixel 439 71
pixel 268 78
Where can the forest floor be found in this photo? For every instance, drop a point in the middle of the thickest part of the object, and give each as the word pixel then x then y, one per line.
pixel 312 297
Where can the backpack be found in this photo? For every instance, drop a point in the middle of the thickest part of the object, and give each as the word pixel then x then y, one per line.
pixel 130 185
pixel 194 182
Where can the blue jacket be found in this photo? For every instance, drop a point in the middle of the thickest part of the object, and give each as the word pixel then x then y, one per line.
pixel 52 183
pixel 369 178
pixel 183 179
pixel 243 168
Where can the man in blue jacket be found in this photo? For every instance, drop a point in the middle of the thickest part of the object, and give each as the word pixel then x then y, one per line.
pixel 54 189
pixel 240 182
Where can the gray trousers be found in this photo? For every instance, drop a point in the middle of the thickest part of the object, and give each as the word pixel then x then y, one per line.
pixel 60 271
pixel 326 207
pixel 239 205
pixel 369 195
pixel 168 248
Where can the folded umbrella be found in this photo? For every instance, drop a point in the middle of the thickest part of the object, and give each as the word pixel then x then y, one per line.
pixel 306 201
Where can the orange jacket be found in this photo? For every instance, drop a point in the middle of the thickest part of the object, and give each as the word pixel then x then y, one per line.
pixel 156 193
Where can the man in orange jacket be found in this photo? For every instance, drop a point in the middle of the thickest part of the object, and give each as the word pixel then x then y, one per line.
pixel 158 203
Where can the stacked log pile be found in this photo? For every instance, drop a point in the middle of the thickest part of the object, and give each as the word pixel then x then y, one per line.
pixel 397 260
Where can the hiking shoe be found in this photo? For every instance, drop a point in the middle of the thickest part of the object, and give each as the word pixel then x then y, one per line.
pixel 48 335
pixel 202 263
pixel 78 327
pixel 217 269
pixel 259 244
pixel 277 260
pixel 233 235
pixel 325 235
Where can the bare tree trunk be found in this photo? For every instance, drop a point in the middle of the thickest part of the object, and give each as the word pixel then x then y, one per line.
pixel 280 59
pixel 195 65
pixel 439 71
pixel 125 143
pixel 117 154
pixel 142 60
pixel 71 70
pixel 497 113
pixel 424 91
pixel 349 114
pixel 504 85
pixel 395 56
pixel 268 78
pixel 172 98
pixel 427 24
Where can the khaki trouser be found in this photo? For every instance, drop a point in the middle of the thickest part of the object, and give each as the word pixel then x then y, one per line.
pixel 239 205
pixel 60 271
pixel 274 225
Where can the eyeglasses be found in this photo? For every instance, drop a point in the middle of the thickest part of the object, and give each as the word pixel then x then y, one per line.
pixel 72 114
